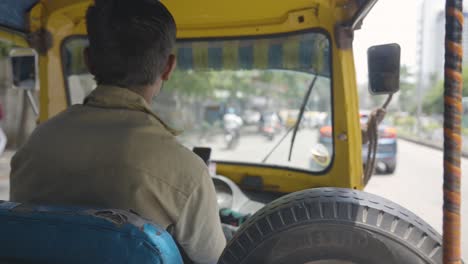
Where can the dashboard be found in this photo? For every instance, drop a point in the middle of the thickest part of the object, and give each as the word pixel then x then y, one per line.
pixel 230 196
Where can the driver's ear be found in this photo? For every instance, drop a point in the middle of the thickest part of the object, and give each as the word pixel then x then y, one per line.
pixel 170 67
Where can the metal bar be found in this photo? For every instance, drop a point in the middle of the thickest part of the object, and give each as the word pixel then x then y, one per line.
pixel 15 38
pixel 362 13
pixel 32 101
pixel 452 130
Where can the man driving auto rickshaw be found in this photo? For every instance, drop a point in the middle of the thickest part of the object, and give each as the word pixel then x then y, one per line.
pixel 290 57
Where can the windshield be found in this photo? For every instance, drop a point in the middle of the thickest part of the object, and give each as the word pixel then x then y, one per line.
pixel 240 98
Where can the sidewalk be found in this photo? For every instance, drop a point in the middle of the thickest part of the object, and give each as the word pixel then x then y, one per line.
pixel 431 143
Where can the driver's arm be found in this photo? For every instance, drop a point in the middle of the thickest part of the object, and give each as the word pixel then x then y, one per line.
pixel 198 229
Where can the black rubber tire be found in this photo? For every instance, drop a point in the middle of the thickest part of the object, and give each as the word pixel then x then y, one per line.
pixel 390 169
pixel 327 224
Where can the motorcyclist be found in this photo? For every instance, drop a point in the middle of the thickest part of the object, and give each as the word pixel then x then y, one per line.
pixel 269 124
pixel 232 124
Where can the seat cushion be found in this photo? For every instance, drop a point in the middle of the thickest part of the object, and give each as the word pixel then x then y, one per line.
pixel 51 234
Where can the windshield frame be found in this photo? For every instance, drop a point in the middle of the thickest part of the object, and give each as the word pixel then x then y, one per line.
pixel 318 30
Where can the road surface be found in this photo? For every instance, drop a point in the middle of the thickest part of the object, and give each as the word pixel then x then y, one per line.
pixel 416 184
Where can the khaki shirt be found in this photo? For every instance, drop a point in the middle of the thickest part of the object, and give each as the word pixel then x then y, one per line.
pixel 114 152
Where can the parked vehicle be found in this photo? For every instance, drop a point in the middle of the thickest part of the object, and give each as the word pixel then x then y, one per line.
pixel 386 157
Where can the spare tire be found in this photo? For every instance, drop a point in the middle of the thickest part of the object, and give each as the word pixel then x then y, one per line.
pixel 333 225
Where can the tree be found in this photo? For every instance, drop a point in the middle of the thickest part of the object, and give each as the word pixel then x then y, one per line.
pixel 434 100
pixel 402 101
pixel 406 99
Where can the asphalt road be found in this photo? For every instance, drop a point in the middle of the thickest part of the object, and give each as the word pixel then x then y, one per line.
pixel 416 184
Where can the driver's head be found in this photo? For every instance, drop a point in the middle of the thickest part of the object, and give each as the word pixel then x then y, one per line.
pixel 130 43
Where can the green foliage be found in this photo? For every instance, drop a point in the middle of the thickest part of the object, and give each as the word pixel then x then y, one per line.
pixel 434 100
pixel 407 91
pixel 407 121
pixel 287 85
pixel 465 132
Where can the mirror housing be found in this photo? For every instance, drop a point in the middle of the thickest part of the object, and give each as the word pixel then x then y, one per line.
pixel 24 68
pixel 384 68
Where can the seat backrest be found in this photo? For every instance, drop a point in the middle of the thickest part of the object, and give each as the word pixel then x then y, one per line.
pixel 51 234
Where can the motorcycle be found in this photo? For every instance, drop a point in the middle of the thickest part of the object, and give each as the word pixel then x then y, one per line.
pixel 270 126
pixel 269 131
pixel 232 126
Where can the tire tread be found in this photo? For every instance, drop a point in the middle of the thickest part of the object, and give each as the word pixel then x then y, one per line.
pixel 341 205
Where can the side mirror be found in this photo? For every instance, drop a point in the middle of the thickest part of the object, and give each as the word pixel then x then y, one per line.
pixel 384 68
pixel 24 68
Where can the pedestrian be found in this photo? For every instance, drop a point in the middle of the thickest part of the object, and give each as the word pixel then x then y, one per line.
pixel 3 138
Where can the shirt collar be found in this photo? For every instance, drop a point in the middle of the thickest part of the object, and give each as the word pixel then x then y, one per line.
pixel 107 96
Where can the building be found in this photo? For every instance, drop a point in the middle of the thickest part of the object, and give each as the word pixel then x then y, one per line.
pixel 431 40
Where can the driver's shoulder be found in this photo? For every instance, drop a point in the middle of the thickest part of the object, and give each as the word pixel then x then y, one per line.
pixel 174 159
pixel 189 161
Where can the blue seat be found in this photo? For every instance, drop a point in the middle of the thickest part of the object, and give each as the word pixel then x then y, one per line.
pixel 51 234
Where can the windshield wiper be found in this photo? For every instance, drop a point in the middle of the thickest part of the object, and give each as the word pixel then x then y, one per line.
pixel 277 144
pixel 301 114
pixel 296 125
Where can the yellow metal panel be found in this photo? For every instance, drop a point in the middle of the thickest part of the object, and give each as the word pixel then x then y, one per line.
pixel 274 179
pixel 37 17
pixel 16 39
pixel 212 18
pixel 206 18
pixel 224 14
pixel 53 93
pixel 347 131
